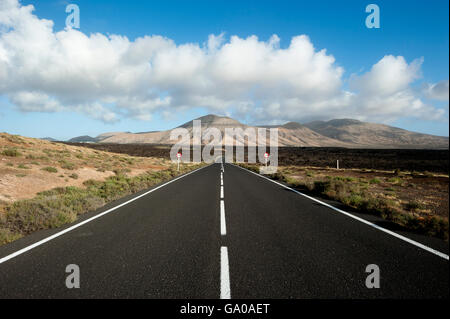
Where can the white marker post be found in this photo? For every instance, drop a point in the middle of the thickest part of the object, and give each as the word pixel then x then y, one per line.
pixel 266 156
pixel 337 164
pixel 178 160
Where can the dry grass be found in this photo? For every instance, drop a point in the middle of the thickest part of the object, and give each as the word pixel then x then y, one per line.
pixel 29 166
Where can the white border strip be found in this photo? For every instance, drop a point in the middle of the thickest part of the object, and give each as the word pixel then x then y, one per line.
pixel 406 239
pixel 225 291
pixel 43 241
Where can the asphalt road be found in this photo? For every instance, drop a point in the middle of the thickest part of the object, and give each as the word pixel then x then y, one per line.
pixel 262 241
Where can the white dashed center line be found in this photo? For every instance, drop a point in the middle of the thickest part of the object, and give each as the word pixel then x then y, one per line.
pixel 223 225
pixel 225 292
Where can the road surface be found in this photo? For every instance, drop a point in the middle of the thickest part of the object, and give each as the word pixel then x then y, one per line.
pixel 230 234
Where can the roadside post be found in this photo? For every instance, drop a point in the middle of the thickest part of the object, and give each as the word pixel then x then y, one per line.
pixel 178 161
pixel 266 156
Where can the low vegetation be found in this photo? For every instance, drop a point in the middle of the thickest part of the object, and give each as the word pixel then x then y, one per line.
pixel 11 153
pixel 419 203
pixel 50 169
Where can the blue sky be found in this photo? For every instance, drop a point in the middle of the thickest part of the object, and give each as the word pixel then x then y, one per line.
pixel 412 29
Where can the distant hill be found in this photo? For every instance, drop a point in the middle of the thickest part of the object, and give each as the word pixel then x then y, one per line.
pixel 347 133
pixel 83 139
pixel 363 134
pixel 50 139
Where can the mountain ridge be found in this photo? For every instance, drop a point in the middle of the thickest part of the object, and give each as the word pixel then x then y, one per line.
pixel 348 133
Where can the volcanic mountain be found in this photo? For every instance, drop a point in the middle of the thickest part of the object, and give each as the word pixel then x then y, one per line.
pixel 347 133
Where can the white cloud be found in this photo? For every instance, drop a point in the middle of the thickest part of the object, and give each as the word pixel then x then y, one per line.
pixel 388 76
pixel 108 77
pixel 384 93
pixel 35 102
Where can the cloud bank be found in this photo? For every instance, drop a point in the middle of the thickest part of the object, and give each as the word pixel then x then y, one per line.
pixel 110 77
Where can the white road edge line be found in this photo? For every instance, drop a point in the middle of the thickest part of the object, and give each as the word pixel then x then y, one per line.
pixel 223 225
pixel 225 292
pixel 406 239
pixel 43 241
